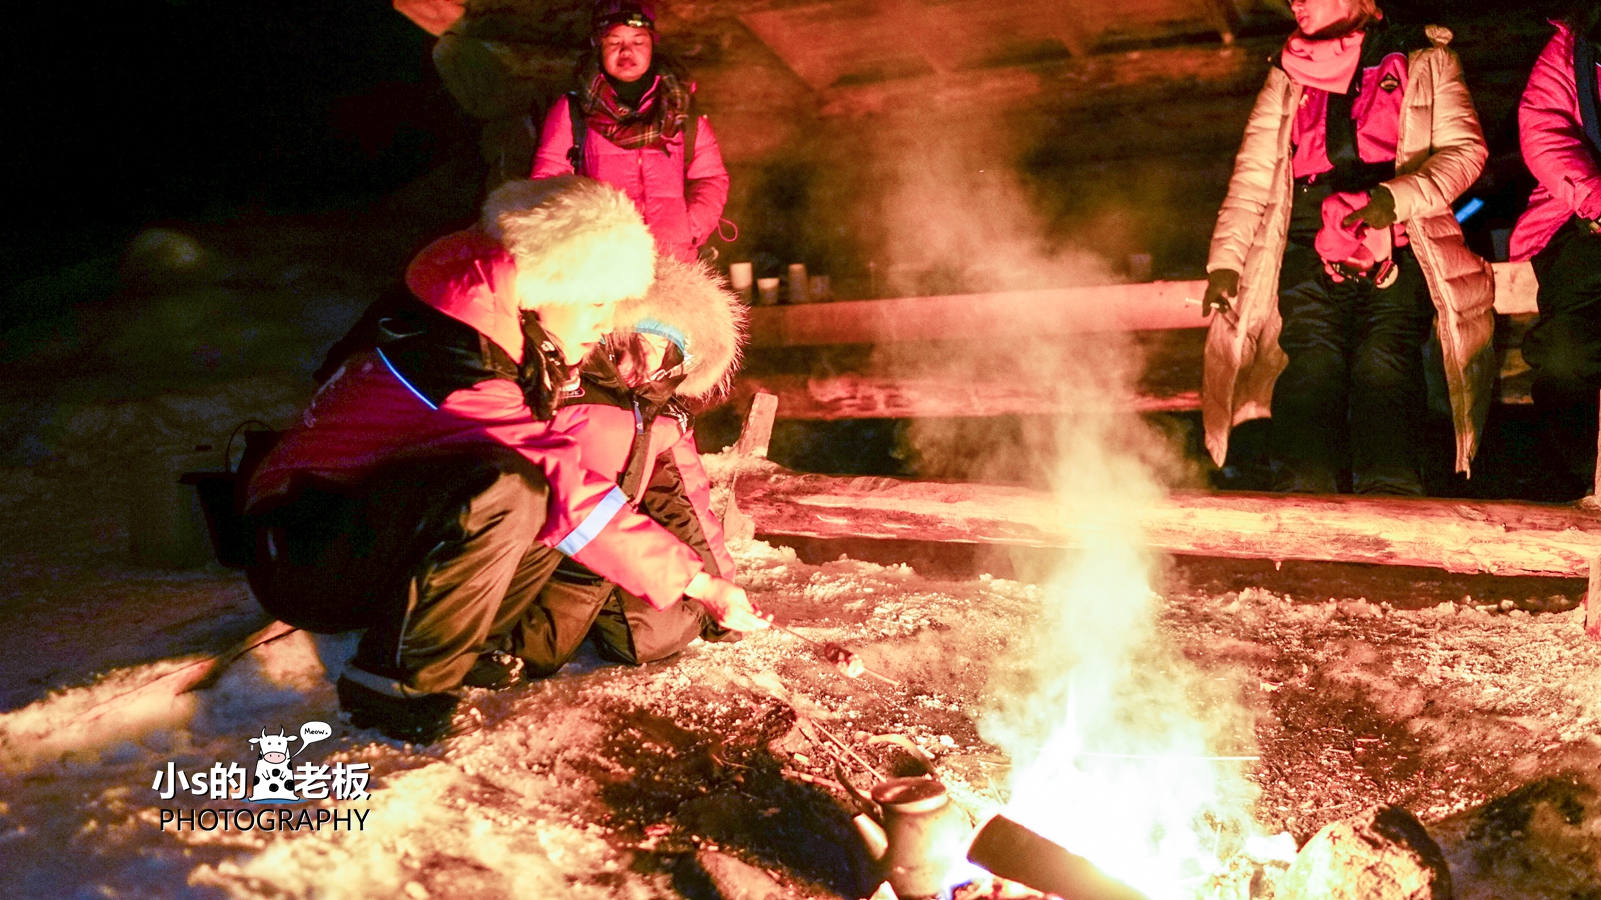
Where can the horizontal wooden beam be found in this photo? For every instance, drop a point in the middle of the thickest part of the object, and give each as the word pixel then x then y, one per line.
pixel 1150 306
pixel 857 396
pixel 1157 305
pixel 1499 538
pixel 833 398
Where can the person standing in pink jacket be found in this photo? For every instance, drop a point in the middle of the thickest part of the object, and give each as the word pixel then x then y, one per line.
pixel 634 127
pixel 1560 233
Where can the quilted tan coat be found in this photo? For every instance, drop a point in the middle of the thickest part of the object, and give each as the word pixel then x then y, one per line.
pixel 1440 152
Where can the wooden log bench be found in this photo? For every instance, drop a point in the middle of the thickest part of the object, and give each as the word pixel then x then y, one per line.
pixel 1491 537
pixel 1497 538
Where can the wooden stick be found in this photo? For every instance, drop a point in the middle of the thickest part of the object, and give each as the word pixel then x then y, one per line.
pixel 816 643
pixel 197 674
pixel 860 760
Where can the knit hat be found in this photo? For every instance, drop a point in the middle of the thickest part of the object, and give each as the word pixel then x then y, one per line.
pixel 573 240
pixel 689 305
pixel 610 13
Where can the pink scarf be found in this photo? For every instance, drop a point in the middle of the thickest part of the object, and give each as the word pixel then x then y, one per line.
pixel 1326 64
pixel 1354 249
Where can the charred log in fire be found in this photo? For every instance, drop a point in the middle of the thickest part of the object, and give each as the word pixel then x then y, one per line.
pixel 1007 849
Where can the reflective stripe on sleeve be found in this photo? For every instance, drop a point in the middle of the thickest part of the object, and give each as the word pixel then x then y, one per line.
pixel 598 518
pixel 402 379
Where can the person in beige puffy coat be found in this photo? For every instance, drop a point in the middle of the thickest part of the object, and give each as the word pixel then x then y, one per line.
pixel 1335 250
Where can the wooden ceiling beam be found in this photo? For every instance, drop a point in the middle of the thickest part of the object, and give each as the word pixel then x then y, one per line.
pixel 1080 81
pixel 911 19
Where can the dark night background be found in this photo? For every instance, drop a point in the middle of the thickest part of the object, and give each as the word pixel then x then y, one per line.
pixel 157 111
pixel 185 111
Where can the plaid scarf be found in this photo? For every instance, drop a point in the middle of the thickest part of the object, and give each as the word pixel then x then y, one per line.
pixel 661 115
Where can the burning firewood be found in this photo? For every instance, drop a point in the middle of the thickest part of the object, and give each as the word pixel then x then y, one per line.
pixel 1383 855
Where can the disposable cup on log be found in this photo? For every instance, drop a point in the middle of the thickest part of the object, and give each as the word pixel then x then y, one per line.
pixel 1003 847
pixel 766 291
pixel 739 279
pixel 800 287
pixel 166 525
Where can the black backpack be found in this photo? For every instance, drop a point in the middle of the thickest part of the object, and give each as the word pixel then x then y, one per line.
pixel 1584 81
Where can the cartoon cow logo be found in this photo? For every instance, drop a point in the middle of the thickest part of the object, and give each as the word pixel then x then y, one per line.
pixel 273 774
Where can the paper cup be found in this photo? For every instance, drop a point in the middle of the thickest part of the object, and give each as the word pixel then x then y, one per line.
pixel 766 291
pixel 799 286
pixel 739 278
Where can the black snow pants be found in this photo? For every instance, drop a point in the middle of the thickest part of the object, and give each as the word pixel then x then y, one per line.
pixel 1353 392
pixel 1352 395
pixel 1563 347
pixel 576 603
pixel 437 560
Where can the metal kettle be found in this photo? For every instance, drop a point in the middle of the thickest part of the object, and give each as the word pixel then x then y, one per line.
pixel 913 828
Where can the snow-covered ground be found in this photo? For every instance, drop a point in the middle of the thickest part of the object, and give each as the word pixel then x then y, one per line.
pixel 715 772
pixel 608 781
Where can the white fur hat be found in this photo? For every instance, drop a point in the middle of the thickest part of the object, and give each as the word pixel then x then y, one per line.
pixel 574 240
pixel 689 305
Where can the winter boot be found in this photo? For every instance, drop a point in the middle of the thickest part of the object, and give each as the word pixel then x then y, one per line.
pixel 425 719
pixel 496 670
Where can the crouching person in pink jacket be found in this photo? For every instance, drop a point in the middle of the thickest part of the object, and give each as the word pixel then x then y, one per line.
pixel 425 495
pixel 1561 233
pixel 633 126
pixel 676 346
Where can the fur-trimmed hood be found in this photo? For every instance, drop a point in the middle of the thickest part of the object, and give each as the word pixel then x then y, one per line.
pixel 689 305
pixel 573 239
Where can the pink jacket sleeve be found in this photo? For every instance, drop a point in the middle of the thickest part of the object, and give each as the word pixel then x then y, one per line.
pixel 590 519
pixel 1552 136
pixel 555 139
pixel 705 184
pixel 698 487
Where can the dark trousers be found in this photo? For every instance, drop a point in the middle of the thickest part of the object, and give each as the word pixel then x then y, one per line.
pixel 437 561
pixel 1353 392
pixel 574 605
pixel 1563 347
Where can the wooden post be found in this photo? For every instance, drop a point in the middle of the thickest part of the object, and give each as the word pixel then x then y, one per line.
pixel 758 432
pixel 1592 600
pixel 752 444
pixel 1596 492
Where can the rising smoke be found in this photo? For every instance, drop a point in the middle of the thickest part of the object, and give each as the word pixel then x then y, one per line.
pixel 1114 736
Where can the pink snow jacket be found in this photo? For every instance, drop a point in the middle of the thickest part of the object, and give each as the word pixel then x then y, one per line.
pixel 681 205
pixel 448 373
pixel 1551 132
